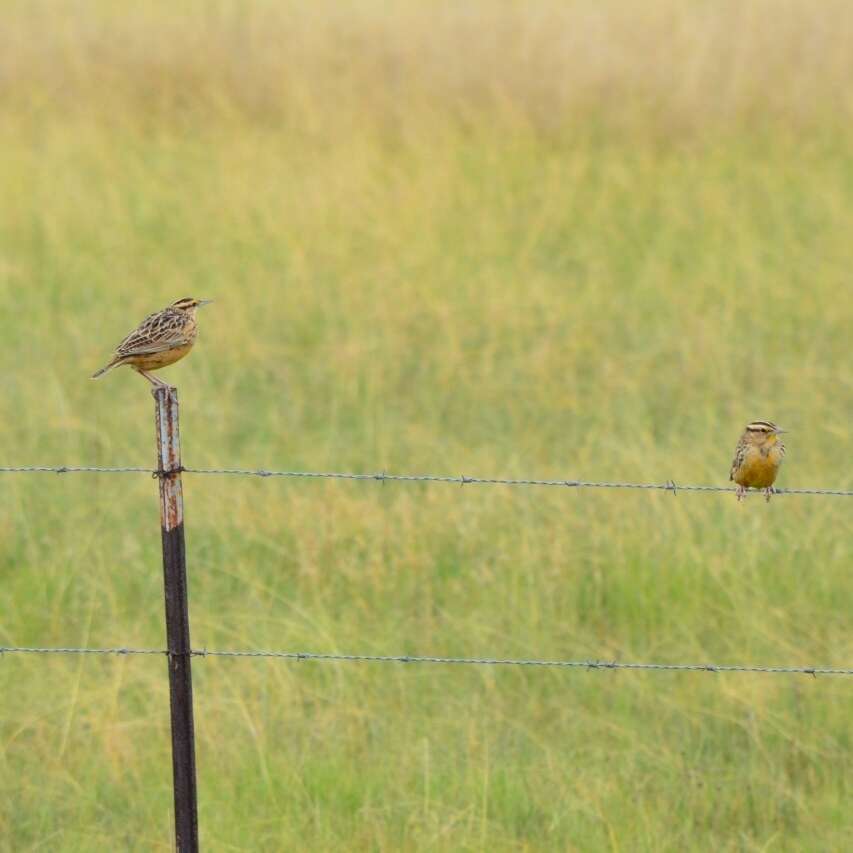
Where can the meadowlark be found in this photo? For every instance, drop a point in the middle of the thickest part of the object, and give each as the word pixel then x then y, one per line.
pixel 160 339
pixel 758 456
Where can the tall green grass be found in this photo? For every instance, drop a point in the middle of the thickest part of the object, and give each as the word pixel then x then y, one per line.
pixel 560 240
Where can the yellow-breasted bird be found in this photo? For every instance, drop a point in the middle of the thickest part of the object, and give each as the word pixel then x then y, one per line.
pixel 160 339
pixel 758 456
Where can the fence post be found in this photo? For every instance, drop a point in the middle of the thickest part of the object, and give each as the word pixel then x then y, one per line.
pixel 177 618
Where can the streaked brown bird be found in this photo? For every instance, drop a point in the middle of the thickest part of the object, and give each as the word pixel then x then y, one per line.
pixel 758 457
pixel 162 338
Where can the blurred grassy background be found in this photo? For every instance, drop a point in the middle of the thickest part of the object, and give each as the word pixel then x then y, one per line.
pixel 556 239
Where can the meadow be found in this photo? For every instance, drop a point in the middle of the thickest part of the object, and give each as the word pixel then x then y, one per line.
pixel 559 240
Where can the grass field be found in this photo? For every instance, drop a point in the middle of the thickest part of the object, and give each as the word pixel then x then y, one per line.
pixel 569 240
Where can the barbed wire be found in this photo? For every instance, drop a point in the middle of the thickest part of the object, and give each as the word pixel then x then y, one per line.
pixel 382 477
pixel 76 650
pixel 72 469
pixel 415 659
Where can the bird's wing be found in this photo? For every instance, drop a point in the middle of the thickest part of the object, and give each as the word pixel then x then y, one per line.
pixel 740 452
pixel 158 332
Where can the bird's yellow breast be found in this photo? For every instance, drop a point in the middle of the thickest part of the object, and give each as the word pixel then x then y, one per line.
pixel 758 470
pixel 155 360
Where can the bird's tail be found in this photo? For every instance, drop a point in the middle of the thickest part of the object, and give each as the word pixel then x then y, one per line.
pixel 99 373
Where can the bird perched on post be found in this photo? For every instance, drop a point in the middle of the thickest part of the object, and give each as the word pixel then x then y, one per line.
pixel 758 455
pixel 160 339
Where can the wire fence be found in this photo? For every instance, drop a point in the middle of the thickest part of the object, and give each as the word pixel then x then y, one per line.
pixel 460 480
pixel 179 651
pixel 383 477
pixel 416 659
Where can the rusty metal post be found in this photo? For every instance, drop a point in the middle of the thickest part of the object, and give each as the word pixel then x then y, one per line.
pixel 177 618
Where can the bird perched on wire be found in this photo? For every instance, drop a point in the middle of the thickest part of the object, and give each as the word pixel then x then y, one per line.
pixel 160 339
pixel 758 456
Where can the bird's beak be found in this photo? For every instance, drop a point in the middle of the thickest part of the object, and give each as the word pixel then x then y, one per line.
pixel 777 431
pixel 204 302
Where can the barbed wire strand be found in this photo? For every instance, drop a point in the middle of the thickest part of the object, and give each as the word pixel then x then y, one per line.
pixel 406 659
pixel 461 480
pixel 72 469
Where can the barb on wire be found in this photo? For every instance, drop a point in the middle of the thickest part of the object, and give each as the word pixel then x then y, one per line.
pixel 407 659
pixel 383 477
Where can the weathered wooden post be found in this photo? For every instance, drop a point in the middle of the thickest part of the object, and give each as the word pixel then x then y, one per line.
pixel 177 618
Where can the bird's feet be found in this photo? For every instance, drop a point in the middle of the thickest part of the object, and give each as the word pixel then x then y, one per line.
pixel 741 493
pixel 155 381
pixel 767 493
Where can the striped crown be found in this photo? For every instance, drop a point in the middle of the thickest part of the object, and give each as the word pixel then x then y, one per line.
pixel 186 303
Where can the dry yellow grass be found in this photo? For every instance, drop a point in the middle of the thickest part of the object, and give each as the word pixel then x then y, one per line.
pixel 664 67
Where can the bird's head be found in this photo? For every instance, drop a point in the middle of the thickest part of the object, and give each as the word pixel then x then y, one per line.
pixel 188 303
pixel 763 432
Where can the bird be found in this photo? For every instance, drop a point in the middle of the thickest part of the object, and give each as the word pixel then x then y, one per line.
pixel 758 456
pixel 162 338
